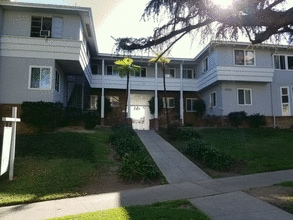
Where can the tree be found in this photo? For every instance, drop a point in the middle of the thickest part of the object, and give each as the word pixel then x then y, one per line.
pixel 258 20
pixel 164 61
pixel 124 68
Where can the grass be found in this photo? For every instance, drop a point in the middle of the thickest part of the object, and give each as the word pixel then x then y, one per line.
pixel 180 209
pixel 53 165
pixel 260 150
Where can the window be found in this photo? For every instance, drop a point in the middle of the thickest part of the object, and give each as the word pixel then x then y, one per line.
pixel 110 71
pixel 57 81
pixel 170 102
pixel 213 100
pixel 114 100
pixel 244 97
pixel 141 73
pixel 170 72
pixel 41 26
pixel 244 57
pixel 205 65
pixel 279 62
pixel 93 102
pixel 283 62
pixel 190 104
pixel 40 78
pixel 285 101
pixel 188 74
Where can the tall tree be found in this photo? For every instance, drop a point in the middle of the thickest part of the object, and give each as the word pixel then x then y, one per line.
pixel 124 68
pixel 164 61
pixel 258 20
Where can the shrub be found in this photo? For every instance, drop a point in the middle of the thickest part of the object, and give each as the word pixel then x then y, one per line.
pixel 207 154
pixel 236 118
pixel 90 119
pixel 188 133
pixel 46 116
pixel 256 120
pixel 137 166
pixel 200 107
pixel 173 130
pixel 127 144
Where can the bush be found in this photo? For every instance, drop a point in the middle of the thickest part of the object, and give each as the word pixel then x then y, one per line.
pixel 236 118
pixel 173 130
pixel 46 116
pixel 200 107
pixel 137 166
pixel 256 120
pixel 188 133
pixel 90 120
pixel 210 156
pixel 128 144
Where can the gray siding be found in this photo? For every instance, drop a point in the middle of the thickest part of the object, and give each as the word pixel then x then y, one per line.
pixel 14 81
pixel 18 23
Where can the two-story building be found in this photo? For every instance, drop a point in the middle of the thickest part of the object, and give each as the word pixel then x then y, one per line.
pixel 49 53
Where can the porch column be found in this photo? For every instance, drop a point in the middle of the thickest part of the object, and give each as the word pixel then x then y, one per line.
pixel 156 91
pixel 128 100
pixel 103 94
pixel 181 95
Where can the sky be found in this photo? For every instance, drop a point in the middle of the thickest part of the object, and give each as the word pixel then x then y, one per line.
pixel 122 18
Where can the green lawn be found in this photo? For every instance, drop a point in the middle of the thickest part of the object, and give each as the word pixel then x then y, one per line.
pixel 261 150
pixel 54 165
pixel 172 210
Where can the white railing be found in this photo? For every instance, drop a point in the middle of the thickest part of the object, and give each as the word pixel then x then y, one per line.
pixel 142 83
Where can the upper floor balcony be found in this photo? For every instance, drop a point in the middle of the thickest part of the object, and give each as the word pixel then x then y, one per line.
pixel 244 74
pixel 143 83
pixel 68 52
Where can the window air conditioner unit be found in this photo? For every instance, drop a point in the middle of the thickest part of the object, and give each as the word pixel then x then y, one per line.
pixel 45 33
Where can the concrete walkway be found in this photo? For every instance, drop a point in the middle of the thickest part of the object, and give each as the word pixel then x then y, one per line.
pixel 218 198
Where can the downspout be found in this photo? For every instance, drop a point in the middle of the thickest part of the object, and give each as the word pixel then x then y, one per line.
pixel 181 94
pixel 272 106
pixel 103 93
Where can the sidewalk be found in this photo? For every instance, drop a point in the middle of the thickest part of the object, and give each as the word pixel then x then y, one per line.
pixel 218 198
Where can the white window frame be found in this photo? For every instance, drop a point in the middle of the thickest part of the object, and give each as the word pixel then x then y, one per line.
pixel 113 73
pixel 168 73
pixel 138 74
pixel 205 65
pixel 245 60
pixel 114 100
pixel 93 102
pixel 186 72
pixel 213 99
pixel 285 64
pixel 245 90
pixel 191 100
pixel 170 100
pixel 284 104
pixel 41 26
pixel 40 87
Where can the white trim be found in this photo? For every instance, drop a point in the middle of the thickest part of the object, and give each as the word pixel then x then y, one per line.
pixel 250 93
pixel 192 110
pixel 288 103
pixel 40 67
pixel 244 64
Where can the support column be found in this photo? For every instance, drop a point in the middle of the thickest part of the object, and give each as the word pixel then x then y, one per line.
pixel 103 95
pixel 156 120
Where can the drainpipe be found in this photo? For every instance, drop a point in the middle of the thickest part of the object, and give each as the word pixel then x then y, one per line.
pixel 272 106
pixel 103 94
pixel 181 94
